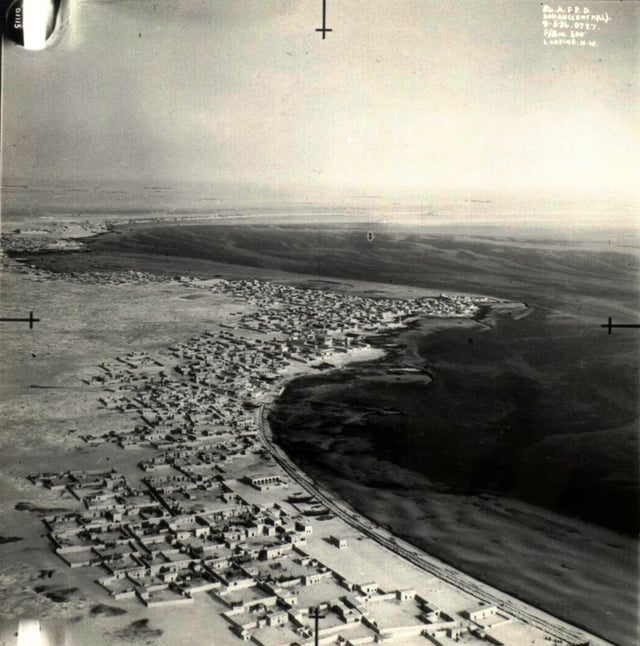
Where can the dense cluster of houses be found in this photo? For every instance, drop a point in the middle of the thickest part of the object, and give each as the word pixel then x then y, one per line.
pixel 250 558
pixel 189 527
pixel 319 313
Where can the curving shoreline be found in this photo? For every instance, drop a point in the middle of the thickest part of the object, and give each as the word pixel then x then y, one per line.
pixel 483 592
pixel 522 610
pixel 543 521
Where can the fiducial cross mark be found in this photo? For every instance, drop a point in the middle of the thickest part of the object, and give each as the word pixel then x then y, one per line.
pixel 29 320
pixel 324 28
pixel 610 325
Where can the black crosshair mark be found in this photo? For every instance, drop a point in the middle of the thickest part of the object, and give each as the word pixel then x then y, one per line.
pixel 314 613
pixel 611 325
pixel 324 29
pixel 30 320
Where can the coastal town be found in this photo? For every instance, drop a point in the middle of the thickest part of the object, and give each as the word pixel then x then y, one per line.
pixel 214 510
pixel 316 323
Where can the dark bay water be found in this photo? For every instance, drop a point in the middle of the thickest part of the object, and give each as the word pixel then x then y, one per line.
pixel 531 409
pixel 519 457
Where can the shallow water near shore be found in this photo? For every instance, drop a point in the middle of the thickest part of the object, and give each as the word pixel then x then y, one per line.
pixel 484 466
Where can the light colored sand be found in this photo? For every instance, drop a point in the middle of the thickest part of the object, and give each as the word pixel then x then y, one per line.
pixel 81 325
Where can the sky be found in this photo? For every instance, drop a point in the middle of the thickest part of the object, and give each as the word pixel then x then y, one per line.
pixel 417 95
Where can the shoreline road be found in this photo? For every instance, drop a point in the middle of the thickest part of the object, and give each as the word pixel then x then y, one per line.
pixel 520 610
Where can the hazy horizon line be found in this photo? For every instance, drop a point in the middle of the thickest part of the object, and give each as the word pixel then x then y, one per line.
pixel 296 190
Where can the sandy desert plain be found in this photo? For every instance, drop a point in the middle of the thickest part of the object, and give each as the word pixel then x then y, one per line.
pixel 46 407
